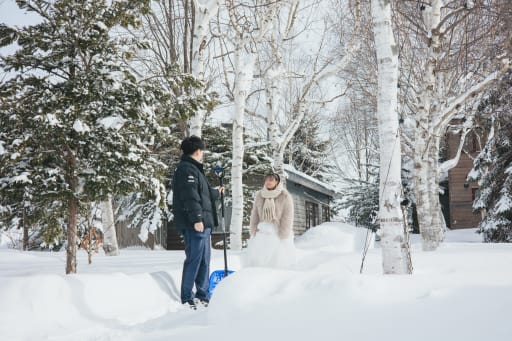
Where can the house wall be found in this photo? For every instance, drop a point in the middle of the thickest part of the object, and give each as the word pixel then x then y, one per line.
pixel 462 193
pixel 301 195
pixel 129 236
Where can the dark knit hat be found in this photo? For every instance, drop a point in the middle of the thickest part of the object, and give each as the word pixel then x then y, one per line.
pixel 273 175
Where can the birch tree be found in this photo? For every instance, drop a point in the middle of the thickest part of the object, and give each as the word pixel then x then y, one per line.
pixel 311 78
pixel 109 228
pixel 275 76
pixel 454 61
pixel 244 63
pixel 248 24
pixel 204 11
pixel 395 245
pixel 356 150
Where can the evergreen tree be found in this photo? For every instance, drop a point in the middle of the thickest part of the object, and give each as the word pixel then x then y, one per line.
pixel 76 124
pixel 176 102
pixel 308 151
pixel 493 166
pixel 361 199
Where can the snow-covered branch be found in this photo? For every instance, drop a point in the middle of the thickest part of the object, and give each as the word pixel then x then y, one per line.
pixel 449 164
pixel 454 106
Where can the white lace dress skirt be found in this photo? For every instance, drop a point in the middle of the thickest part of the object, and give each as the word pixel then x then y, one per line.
pixel 266 249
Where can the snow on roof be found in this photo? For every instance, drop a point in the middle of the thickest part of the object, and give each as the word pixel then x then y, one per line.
pixel 290 170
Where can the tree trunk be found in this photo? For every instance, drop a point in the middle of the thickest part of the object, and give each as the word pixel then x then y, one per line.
pixel 243 78
pixel 72 212
pixel 203 11
pixel 425 167
pixel 110 245
pixel 438 225
pixel 395 248
pixel 25 230
pixel 72 229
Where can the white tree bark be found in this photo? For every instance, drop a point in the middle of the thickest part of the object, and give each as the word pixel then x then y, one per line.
pixel 204 11
pixel 244 64
pixel 276 77
pixel 424 170
pixel 395 248
pixel 436 108
pixel 109 229
pixel 244 61
pixel 279 142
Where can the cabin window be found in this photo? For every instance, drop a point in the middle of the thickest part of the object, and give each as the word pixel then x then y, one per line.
pixel 312 218
pixel 326 213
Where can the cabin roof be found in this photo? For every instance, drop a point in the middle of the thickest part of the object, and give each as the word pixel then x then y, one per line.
pixel 307 181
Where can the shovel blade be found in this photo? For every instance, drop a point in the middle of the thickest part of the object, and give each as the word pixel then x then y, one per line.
pixel 216 277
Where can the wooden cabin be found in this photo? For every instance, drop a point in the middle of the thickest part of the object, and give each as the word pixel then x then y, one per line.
pixel 311 198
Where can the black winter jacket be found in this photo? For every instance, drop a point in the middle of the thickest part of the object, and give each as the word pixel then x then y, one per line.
pixel 193 198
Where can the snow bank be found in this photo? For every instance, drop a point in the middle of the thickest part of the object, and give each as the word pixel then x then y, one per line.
pixel 37 298
pixel 135 296
pixel 336 236
pixel 54 301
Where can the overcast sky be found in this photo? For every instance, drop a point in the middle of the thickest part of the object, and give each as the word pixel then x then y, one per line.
pixel 11 15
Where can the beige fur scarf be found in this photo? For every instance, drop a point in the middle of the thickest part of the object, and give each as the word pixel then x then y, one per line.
pixel 269 206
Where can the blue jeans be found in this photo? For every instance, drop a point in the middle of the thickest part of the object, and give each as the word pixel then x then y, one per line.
pixel 196 268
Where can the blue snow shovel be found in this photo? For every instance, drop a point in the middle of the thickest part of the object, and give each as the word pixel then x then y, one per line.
pixel 217 275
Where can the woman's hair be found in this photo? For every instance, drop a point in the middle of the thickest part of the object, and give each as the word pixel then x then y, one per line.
pixel 273 175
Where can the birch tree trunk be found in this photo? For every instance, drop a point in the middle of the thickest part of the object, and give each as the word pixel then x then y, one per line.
pixel 204 10
pixel 453 34
pixel 425 168
pixel 245 41
pixel 395 248
pixel 244 65
pixel 109 229
pixel 443 36
pixel 323 68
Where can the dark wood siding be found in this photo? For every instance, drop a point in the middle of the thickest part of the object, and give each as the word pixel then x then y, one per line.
pixel 461 192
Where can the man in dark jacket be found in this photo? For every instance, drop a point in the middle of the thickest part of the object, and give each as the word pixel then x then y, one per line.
pixel 195 216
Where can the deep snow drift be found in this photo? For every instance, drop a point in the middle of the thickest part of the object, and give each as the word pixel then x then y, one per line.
pixel 460 292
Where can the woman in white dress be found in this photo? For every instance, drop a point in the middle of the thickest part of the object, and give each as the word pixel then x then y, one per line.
pixel 271 242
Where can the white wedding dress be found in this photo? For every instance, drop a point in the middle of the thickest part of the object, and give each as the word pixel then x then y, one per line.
pixel 266 249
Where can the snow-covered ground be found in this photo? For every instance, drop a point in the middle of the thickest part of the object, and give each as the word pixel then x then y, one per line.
pixel 463 291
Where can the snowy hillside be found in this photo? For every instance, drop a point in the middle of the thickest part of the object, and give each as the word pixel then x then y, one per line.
pixel 460 292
